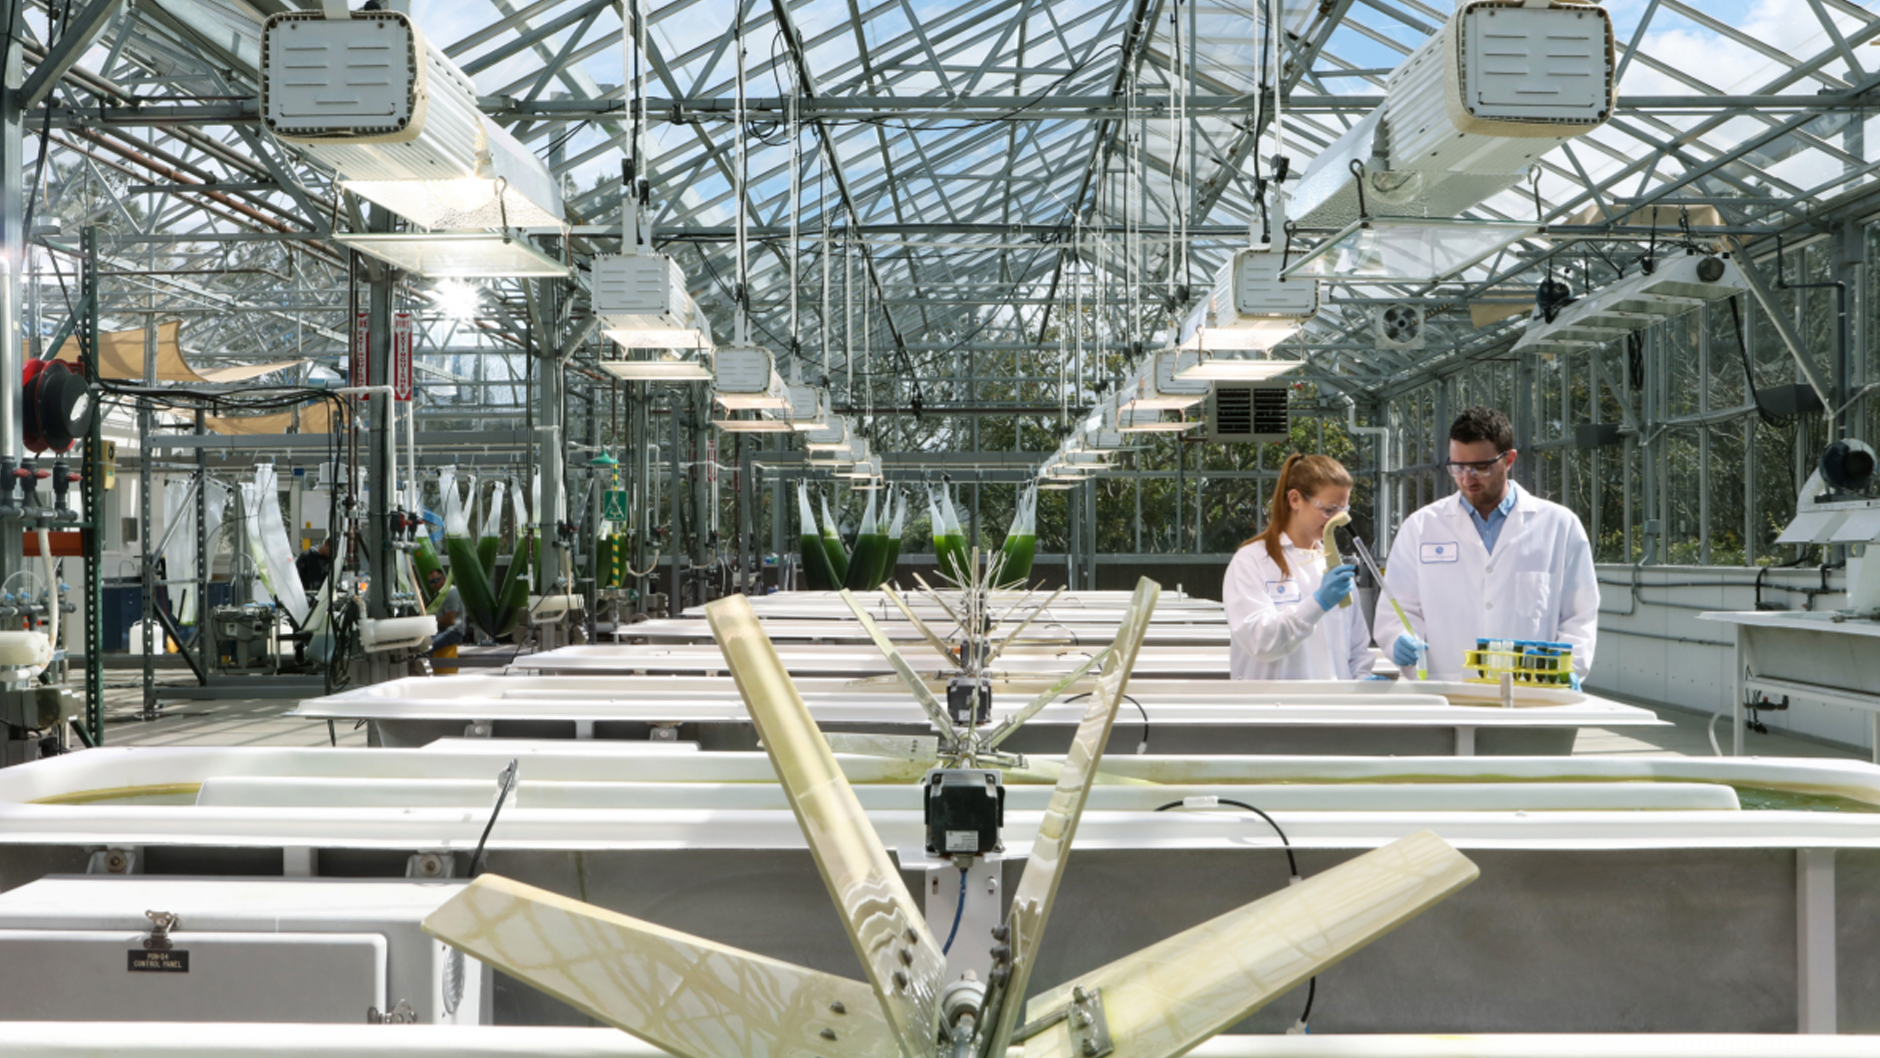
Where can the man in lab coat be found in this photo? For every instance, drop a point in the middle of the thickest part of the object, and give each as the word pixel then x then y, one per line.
pixel 1493 561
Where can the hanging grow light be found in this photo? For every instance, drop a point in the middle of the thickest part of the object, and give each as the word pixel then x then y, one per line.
pixel 642 303
pixel 664 370
pixel 744 378
pixel 1156 387
pixel 456 254
pixel 1408 249
pixel 1236 369
pixel 1250 306
pixel 368 96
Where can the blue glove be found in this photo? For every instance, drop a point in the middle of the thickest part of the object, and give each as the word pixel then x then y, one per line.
pixel 1376 676
pixel 1573 680
pixel 1335 586
pixel 1405 650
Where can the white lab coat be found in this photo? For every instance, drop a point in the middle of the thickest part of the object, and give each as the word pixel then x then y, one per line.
pixel 1278 630
pixel 1539 584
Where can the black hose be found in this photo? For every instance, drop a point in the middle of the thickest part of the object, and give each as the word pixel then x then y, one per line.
pixel 1142 746
pixel 1292 865
pixel 505 783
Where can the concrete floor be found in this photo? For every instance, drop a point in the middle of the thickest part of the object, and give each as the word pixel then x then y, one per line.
pixel 260 722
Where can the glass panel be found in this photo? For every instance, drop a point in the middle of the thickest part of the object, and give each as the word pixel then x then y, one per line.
pixel 1409 250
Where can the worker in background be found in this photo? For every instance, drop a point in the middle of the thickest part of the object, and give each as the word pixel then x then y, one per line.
pixel 1494 561
pixel 1283 610
pixel 314 565
pixel 450 622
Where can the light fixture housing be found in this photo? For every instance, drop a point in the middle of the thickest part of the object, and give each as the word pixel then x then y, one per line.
pixel 1251 306
pixel 1236 369
pixel 753 425
pixel 1638 301
pixel 829 439
pixel 1408 249
pixel 1156 387
pixel 456 254
pixel 657 370
pixel 1158 426
pixel 370 97
pixel 1468 113
pixel 744 378
pixel 642 303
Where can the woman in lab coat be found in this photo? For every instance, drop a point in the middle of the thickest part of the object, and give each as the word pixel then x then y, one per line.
pixel 1282 604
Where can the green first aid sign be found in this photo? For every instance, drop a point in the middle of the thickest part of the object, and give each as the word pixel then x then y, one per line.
pixel 615 507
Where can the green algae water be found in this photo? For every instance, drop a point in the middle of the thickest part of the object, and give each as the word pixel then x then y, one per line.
pixel 1767 799
pixel 871 548
pixel 892 559
pixel 832 544
pixel 425 558
pixel 1021 543
pixel 812 558
pixel 473 583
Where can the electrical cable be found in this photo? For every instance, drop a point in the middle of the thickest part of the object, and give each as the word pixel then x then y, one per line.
pixel 1292 867
pixel 1749 371
pixel 959 912
pixel 505 782
pixel 1143 746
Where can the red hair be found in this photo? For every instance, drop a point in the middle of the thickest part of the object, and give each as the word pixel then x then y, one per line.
pixel 1310 475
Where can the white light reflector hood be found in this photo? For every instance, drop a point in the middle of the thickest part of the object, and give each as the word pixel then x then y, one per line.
pixel 457 254
pixel 642 302
pixel 744 378
pixel 1251 306
pixel 1502 83
pixel 371 98
pixel 1156 387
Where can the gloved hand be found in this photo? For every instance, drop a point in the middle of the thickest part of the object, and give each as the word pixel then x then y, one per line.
pixel 1377 676
pixel 1335 586
pixel 1573 680
pixel 1405 650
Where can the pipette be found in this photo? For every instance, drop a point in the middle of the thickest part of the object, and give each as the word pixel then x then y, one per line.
pixel 1364 556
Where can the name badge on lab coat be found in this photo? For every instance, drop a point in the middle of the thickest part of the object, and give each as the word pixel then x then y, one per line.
pixel 1447 552
pixel 1282 590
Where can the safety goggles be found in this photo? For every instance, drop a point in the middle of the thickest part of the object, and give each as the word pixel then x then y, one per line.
pixel 1330 510
pixel 1475 470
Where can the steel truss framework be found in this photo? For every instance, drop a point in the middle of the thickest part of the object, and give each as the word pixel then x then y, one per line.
pixel 952 205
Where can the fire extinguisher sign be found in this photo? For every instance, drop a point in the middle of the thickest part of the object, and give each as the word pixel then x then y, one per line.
pixel 401 356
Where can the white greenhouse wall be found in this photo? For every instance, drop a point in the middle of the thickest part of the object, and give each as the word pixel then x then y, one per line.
pixel 1656 648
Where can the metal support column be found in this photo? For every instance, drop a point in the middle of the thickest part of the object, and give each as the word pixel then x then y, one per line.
pixel 380 441
pixel 1815 974
pixel 675 533
pixel 704 449
pixel 551 510
pixel 146 482
pixel 747 523
pixel 93 484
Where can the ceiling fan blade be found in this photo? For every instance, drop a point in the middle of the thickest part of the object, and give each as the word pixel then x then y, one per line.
pixel 888 929
pixel 1167 998
pixel 1022 625
pixel 936 713
pixel 690 996
pixel 1045 697
pixel 926 630
pixel 1037 887
pixel 897 747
